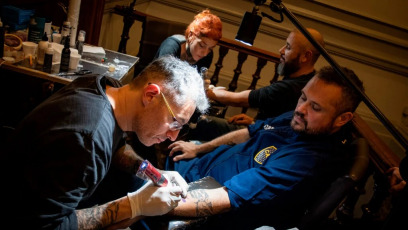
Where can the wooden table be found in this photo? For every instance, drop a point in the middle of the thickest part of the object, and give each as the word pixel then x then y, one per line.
pixel 24 86
pixel 96 63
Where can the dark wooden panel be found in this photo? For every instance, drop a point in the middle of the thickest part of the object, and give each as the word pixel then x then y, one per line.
pixel 90 20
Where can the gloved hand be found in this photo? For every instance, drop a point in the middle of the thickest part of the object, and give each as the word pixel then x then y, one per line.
pixel 151 200
pixel 175 178
pixel 207 83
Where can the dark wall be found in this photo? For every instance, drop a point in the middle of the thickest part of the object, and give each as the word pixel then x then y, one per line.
pixel 90 16
pixel 43 8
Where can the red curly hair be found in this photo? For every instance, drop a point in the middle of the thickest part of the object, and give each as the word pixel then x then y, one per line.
pixel 207 25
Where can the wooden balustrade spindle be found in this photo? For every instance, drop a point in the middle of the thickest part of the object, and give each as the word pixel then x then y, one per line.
pixel 276 75
pixel 218 66
pixel 260 64
pixel 237 71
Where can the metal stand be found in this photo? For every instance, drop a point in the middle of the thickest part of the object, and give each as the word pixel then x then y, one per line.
pixel 128 21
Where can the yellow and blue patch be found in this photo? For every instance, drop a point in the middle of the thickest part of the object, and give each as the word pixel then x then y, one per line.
pixel 262 155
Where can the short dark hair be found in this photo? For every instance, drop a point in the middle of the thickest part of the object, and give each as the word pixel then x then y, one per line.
pixel 351 97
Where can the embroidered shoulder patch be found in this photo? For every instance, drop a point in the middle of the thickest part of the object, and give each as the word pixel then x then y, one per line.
pixel 268 127
pixel 262 155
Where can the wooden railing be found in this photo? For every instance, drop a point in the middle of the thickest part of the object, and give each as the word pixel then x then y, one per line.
pixel 381 156
pixel 263 57
pixel 224 45
pixel 381 159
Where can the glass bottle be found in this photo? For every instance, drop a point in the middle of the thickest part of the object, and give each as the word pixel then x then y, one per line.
pixel 65 56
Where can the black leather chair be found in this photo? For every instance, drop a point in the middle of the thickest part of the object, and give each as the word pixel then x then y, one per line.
pixel 5 133
pixel 339 189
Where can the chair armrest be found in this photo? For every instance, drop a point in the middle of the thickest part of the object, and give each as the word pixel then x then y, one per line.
pixel 361 159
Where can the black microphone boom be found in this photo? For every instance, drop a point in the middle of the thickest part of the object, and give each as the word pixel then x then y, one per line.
pixel 398 136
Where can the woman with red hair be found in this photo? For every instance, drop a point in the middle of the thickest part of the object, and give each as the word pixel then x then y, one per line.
pixel 196 45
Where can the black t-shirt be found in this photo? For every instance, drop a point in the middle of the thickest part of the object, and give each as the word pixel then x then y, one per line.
pixel 278 97
pixel 59 154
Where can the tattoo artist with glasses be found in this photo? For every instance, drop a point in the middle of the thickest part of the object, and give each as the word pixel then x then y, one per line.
pixel 60 154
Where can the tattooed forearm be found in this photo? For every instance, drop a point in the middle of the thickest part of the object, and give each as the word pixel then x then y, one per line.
pixel 126 159
pixel 203 205
pixel 203 202
pixel 97 217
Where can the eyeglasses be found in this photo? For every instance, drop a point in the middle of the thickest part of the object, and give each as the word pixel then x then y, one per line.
pixel 175 125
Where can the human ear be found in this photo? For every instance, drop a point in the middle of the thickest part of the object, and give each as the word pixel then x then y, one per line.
pixel 149 92
pixel 307 56
pixel 190 37
pixel 343 118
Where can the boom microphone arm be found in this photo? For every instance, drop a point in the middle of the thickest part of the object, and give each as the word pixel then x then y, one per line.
pixel 277 5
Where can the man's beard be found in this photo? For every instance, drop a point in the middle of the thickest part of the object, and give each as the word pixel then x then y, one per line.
pixel 307 131
pixel 288 68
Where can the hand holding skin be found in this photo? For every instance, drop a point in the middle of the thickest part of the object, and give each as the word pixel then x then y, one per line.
pixel 151 200
pixel 189 150
pixel 174 177
pixel 397 184
pixel 241 119
pixel 207 83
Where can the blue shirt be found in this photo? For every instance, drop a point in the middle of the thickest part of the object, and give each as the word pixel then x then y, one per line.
pixel 276 173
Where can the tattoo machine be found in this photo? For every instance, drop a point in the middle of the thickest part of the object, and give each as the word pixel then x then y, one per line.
pixel 148 171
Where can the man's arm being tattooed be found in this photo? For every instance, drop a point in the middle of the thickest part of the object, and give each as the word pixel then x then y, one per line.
pixel 203 202
pixel 231 138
